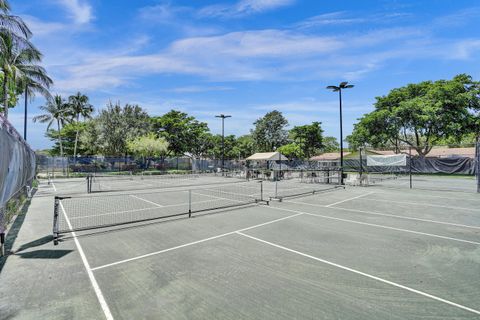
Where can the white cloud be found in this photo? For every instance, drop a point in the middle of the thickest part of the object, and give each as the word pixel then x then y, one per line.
pixel 259 55
pixel 41 28
pixel 197 89
pixel 243 8
pixel 162 13
pixel 465 49
pixel 262 43
pixel 340 18
pixel 332 18
pixel 79 10
pixel 459 18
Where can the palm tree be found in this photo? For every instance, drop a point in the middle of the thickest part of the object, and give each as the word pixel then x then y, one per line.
pixel 30 86
pixel 79 106
pixel 17 60
pixel 12 24
pixel 56 110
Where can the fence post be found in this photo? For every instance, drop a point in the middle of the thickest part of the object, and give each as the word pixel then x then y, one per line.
pixel 190 203
pixel 410 165
pixel 477 153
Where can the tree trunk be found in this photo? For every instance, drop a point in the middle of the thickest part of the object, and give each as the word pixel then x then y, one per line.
pixel 76 141
pixel 5 95
pixel 60 139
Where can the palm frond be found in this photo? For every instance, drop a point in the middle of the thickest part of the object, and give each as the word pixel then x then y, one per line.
pixel 13 24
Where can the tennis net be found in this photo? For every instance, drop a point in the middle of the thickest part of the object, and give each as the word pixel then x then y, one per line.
pixel 306 183
pixel 92 212
pixel 146 180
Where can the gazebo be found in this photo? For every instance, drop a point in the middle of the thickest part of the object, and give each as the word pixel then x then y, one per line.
pixel 263 162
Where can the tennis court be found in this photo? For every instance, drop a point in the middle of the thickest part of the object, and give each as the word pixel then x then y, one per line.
pixel 354 253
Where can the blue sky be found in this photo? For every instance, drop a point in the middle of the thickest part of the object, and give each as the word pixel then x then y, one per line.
pixel 247 57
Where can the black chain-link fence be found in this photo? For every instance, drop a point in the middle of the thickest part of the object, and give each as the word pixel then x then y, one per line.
pixel 17 171
pixel 448 168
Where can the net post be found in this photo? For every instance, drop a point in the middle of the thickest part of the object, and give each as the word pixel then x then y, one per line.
pixel 410 166
pixel 261 191
pixel 2 231
pixel 190 203
pixel 55 220
pixel 2 243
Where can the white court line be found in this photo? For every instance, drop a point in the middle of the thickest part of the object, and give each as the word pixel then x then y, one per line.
pixel 426 196
pixel 147 201
pixel 379 226
pixel 362 195
pixel 193 243
pixel 53 185
pixel 333 264
pixel 96 287
pixel 422 204
pixel 389 215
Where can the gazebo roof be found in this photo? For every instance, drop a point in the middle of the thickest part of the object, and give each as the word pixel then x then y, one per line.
pixel 267 156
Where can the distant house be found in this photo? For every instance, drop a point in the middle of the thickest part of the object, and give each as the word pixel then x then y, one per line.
pixel 329 156
pixel 437 152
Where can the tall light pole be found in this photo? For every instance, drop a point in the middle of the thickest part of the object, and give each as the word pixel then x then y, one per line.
pixel 223 116
pixel 342 85
pixel 25 116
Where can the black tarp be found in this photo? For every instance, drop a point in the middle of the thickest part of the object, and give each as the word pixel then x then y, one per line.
pixel 17 165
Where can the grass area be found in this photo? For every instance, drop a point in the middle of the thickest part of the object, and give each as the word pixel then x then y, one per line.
pixel 13 207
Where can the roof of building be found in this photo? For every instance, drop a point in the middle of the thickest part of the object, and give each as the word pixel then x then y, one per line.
pixel 329 156
pixel 437 152
pixel 267 156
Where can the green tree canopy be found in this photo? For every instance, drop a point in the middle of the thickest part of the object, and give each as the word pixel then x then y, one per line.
pixel 269 132
pixel 330 144
pixel 421 115
pixel 115 125
pixel 56 111
pixel 245 146
pixel 148 146
pixel 308 137
pixel 292 151
pixel 181 131
pixel 68 135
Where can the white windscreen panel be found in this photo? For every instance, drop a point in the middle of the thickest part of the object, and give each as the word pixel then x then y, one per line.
pixel 397 160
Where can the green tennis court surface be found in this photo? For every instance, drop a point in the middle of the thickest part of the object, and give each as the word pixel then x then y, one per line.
pixel 355 253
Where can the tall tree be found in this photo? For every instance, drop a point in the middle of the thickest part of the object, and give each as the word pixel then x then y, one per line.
pixel 421 115
pixel 56 110
pixel 115 125
pixel 147 147
pixel 308 137
pixel 79 106
pixel 18 59
pixel 292 151
pixel 330 144
pixel 68 134
pixel 245 146
pixel 12 24
pixel 269 132
pixel 181 131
